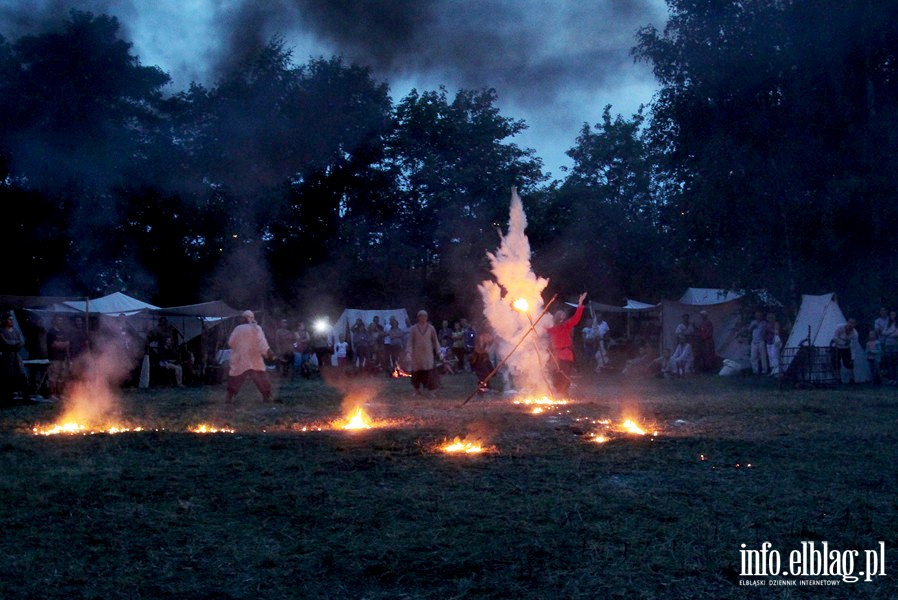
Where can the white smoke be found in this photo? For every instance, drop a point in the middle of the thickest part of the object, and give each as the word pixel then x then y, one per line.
pixel 516 280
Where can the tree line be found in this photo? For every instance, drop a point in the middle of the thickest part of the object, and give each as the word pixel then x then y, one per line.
pixel 767 160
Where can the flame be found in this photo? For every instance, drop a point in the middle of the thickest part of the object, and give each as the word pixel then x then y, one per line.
pixel 398 372
pixel 631 427
pixel 73 428
pixel 598 438
pixel 543 401
pixel 359 420
pixel 521 305
pixel 459 446
pixel 204 428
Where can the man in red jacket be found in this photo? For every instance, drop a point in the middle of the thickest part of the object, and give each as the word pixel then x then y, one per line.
pixel 561 335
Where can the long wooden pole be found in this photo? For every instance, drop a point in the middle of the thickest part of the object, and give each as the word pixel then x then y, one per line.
pixel 495 370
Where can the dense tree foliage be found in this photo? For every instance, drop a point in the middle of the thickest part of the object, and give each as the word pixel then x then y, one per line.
pixel 777 123
pixel 767 160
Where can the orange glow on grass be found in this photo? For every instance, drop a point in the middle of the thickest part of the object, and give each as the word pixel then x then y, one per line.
pixel 463 446
pixel 205 428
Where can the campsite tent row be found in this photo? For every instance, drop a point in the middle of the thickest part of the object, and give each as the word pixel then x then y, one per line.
pixel 142 316
pixel 818 318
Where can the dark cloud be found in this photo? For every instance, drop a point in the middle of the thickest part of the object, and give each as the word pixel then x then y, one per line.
pixel 530 50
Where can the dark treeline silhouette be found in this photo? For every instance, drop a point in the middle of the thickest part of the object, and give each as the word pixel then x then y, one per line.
pixel 768 160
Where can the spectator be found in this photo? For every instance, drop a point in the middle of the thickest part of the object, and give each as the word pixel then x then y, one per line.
pixel 12 370
pixel 560 335
pixel 774 344
pixel 169 360
pixel 470 339
pixel 843 339
pixel 58 353
pixel 706 356
pixel 285 345
pixel 874 355
pixel 445 335
pixel 341 348
pixel 600 331
pixel 375 339
pixel 682 360
pixel 881 322
pixel 248 350
pixel 424 349
pixel 361 345
pixel 758 354
pixel 394 343
pixel 458 345
pixel 302 357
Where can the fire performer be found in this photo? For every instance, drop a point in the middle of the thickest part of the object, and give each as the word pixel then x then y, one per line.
pixel 562 343
pixel 248 350
pixel 423 349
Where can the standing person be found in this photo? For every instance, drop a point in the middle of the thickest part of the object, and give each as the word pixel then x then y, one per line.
pixel 285 344
pixel 424 349
pixel 375 340
pixel 881 322
pixel 458 345
pixel 561 336
pixel 445 335
pixel 470 341
pixel 874 355
pixel 843 339
pixel 774 343
pixel 706 354
pixel 758 355
pixel 58 353
pixel 341 351
pixel 12 370
pixel 394 343
pixel 599 330
pixel 248 350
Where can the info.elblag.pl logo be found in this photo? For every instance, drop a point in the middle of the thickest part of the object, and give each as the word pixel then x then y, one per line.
pixel 814 563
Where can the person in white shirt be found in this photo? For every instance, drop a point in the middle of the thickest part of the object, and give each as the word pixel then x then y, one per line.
pixel 600 329
pixel 843 339
pixel 758 355
pixel 249 348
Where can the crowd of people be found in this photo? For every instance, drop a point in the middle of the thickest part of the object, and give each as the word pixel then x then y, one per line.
pixel 417 350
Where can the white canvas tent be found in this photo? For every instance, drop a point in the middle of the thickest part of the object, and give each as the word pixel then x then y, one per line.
pixel 348 318
pixel 116 304
pixel 705 296
pixel 816 323
pixel 724 316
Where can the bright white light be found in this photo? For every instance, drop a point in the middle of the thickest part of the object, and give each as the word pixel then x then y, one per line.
pixel 521 305
pixel 321 325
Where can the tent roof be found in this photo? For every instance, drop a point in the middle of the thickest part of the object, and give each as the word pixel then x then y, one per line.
pixel 704 296
pixel 12 301
pixel 115 304
pixel 216 309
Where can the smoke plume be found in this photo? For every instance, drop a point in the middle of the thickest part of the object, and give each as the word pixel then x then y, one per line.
pixel 515 280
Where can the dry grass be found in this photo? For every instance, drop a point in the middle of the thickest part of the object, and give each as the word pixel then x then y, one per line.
pixel 273 512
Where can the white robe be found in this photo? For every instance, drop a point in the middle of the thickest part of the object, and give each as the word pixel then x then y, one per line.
pixel 248 346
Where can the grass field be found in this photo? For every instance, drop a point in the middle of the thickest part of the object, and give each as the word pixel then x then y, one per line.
pixel 270 511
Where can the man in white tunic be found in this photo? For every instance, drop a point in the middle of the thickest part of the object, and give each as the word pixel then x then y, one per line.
pixel 248 350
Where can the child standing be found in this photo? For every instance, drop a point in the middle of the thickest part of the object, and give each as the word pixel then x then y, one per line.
pixel 340 350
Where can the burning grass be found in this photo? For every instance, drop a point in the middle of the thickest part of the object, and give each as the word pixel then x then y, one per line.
pixel 269 513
